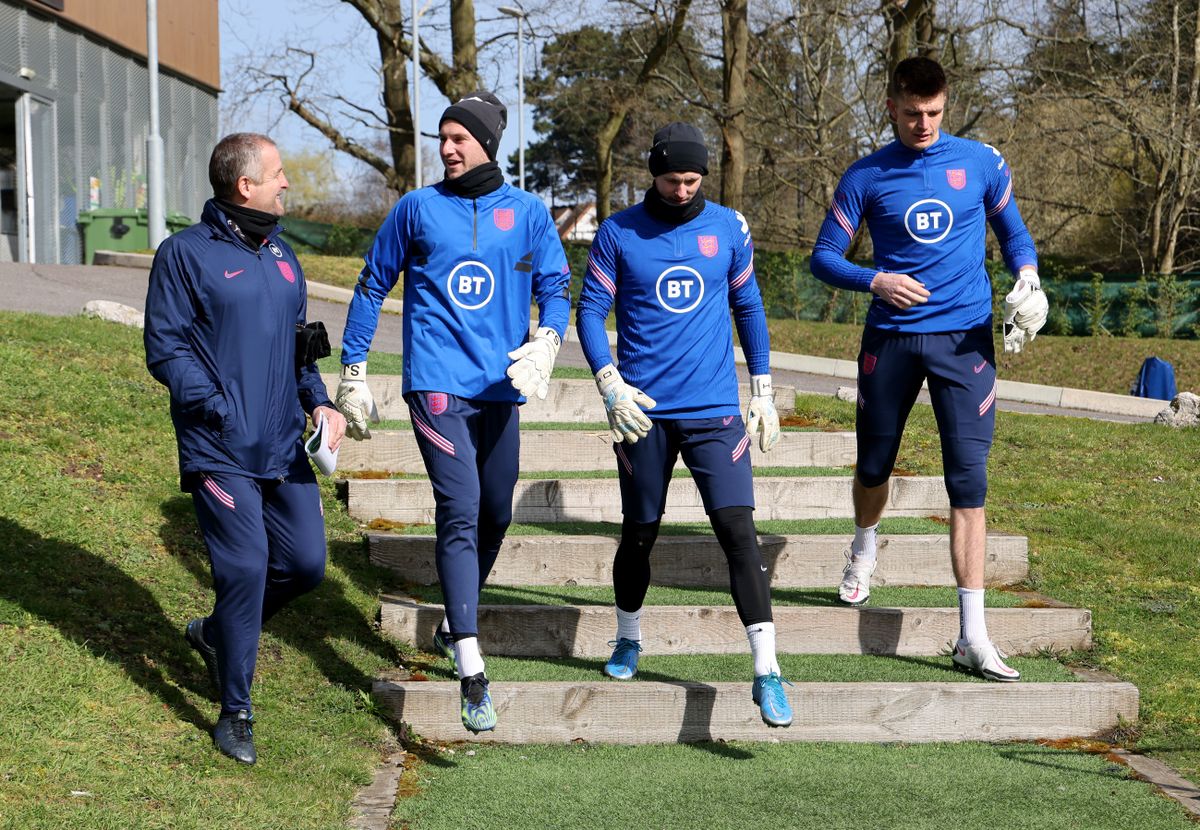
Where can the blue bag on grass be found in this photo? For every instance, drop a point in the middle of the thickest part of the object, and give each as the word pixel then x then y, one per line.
pixel 1156 379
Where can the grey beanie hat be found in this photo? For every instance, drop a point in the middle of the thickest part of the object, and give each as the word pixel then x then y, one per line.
pixel 483 114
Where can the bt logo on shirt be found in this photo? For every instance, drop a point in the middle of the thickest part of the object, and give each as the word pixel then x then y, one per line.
pixel 680 289
pixel 471 285
pixel 928 221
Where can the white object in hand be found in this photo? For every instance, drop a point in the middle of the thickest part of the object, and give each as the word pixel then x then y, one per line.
pixel 317 447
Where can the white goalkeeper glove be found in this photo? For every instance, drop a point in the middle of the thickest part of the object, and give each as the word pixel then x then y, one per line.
pixel 624 403
pixel 1025 310
pixel 354 400
pixel 761 412
pixel 533 362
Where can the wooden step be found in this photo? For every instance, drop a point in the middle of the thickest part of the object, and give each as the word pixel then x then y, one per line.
pixel 395 451
pixel 569 400
pixel 599 500
pixel 645 712
pixel 697 561
pixel 587 630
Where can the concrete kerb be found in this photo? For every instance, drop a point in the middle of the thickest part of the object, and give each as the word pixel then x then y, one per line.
pixel 1006 390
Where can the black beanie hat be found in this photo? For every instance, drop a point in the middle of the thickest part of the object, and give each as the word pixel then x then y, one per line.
pixel 679 147
pixel 483 114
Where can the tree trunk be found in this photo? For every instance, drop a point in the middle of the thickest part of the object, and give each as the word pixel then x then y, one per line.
pixel 607 135
pixel 902 18
pixel 463 50
pixel 735 42
pixel 394 73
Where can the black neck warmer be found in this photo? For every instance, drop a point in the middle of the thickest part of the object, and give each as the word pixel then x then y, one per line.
pixel 254 225
pixel 476 182
pixel 671 213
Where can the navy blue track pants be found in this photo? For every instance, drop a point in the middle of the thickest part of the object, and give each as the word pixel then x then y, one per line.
pixel 266 545
pixel 471 451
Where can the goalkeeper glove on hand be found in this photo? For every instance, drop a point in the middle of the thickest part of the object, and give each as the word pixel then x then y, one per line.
pixel 624 403
pixel 761 412
pixel 533 362
pixel 354 400
pixel 1025 310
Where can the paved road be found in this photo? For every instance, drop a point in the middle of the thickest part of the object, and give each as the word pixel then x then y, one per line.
pixel 63 289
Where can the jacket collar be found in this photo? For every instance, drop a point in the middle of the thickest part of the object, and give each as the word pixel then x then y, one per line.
pixel 216 219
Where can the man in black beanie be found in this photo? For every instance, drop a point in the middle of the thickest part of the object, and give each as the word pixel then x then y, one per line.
pixel 674 266
pixel 472 250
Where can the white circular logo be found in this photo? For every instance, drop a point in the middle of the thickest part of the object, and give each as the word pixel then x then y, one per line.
pixel 275 250
pixel 684 291
pixel 928 221
pixel 471 285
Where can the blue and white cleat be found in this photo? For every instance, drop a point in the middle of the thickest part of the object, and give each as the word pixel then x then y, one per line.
pixel 623 663
pixel 444 646
pixel 772 700
pixel 478 714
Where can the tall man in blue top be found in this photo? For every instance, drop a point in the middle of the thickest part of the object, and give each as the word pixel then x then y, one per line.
pixel 674 265
pixel 472 250
pixel 927 199
pixel 226 333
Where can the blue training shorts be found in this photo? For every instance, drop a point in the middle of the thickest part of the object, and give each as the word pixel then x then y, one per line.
pixel 961 370
pixel 716 450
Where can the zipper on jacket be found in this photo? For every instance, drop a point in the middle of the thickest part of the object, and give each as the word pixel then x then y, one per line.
pixel 474 225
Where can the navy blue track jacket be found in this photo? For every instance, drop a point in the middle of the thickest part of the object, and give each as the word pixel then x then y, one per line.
pixel 221 336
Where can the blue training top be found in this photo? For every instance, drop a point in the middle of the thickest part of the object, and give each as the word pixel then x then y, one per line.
pixel 470 267
pixel 673 286
pixel 927 213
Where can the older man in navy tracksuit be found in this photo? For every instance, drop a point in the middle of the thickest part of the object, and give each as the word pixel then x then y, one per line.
pixel 225 312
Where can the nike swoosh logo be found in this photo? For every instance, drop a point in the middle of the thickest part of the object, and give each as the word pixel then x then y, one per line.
pixel 764 568
pixel 978 368
pixel 231 274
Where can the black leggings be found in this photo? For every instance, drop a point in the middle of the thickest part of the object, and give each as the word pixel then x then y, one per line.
pixel 734 528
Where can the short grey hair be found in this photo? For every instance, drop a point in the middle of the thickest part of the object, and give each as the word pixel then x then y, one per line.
pixel 236 155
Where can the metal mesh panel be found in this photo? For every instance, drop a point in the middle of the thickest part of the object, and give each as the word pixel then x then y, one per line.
pixel 118 173
pixel 10 37
pixel 92 135
pixel 38 53
pixel 67 73
pixel 138 114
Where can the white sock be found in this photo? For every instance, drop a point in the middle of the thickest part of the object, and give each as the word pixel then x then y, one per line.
pixel 467 656
pixel 971 625
pixel 629 625
pixel 863 546
pixel 762 648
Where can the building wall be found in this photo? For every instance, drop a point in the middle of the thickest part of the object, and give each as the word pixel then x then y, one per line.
pixel 188 30
pixel 100 116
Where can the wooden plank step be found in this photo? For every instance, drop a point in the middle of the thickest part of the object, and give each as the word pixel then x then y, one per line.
pixel 645 712
pixel 697 561
pixel 599 499
pixel 396 451
pixel 586 630
pixel 569 400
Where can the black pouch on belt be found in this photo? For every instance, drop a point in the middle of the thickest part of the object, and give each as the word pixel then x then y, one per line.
pixel 312 343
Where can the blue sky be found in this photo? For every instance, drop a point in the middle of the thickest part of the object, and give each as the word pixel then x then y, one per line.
pixel 348 55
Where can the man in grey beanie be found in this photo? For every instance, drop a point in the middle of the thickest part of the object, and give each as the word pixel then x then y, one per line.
pixel 472 250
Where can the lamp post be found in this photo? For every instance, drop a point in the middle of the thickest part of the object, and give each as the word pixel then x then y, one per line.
pixel 156 209
pixel 416 96
pixel 521 16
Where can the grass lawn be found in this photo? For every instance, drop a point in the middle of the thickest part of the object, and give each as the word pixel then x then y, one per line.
pixel 106 711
